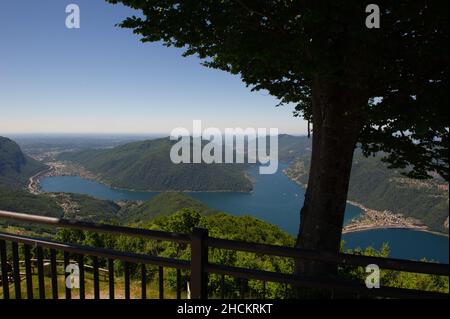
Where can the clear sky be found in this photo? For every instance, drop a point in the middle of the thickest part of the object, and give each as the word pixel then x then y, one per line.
pixel 102 79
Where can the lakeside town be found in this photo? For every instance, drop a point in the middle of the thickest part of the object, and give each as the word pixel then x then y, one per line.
pixel 57 168
pixel 374 219
pixel 370 218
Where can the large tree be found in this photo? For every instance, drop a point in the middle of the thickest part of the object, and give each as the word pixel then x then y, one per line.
pixel 382 88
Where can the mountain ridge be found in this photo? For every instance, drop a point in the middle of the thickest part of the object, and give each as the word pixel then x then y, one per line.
pixel 15 167
pixel 146 165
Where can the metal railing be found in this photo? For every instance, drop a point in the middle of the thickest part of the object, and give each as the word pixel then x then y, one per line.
pixel 198 266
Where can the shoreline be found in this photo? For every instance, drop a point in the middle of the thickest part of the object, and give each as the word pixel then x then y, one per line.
pixel 56 169
pixel 401 222
pixel 355 225
pixel 33 185
pixel 368 228
pixel 60 169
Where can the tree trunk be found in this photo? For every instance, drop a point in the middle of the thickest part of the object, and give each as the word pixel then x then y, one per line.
pixel 336 125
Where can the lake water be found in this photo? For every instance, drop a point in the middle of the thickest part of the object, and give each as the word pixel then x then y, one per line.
pixel 403 243
pixel 274 199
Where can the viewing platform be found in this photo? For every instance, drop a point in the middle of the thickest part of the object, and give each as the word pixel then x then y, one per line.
pixel 19 254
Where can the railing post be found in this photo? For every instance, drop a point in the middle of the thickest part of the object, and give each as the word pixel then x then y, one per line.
pixel 199 259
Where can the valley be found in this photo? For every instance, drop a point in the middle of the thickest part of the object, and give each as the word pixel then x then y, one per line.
pixel 276 198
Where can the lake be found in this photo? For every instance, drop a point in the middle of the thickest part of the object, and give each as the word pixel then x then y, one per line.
pixel 403 243
pixel 277 200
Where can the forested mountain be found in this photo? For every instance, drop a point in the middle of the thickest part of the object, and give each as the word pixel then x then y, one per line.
pixel 147 165
pixel 15 167
pixel 375 186
pixel 291 147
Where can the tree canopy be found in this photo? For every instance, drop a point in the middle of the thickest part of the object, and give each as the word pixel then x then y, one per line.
pixel 282 45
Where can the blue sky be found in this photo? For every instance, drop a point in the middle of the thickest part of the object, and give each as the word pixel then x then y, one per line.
pixel 102 79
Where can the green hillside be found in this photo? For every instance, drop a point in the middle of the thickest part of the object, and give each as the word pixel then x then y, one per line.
pixel 375 186
pixel 147 166
pixel 88 208
pixel 15 167
pixel 21 201
pixel 61 205
pixel 162 204
pixel 292 147
pixel 18 200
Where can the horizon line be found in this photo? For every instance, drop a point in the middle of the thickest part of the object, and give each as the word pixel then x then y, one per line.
pixel 112 133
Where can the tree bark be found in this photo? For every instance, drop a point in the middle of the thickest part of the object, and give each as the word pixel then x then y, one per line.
pixel 336 125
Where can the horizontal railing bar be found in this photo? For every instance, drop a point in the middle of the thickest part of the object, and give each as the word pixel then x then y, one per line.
pixel 280 251
pixel 99 252
pixel 105 228
pixel 299 281
pixel 343 259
